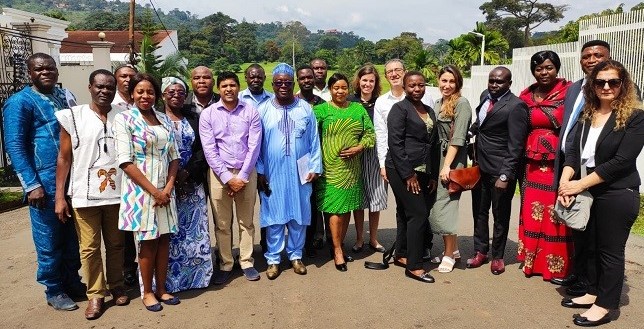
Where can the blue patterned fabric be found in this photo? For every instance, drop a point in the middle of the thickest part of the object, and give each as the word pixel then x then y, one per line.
pixel 190 263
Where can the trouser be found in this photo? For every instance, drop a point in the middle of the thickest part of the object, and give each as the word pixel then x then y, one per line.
pixel 580 256
pixel 611 217
pixel 501 201
pixel 91 223
pixel 129 253
pixel 412 218
pixel 56 249
pixel 276 240
pixel 316 229
pixel 222 208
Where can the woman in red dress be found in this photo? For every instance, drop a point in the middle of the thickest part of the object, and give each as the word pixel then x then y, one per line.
pixel 545 244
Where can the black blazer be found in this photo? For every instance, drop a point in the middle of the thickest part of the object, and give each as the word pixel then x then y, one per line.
pixel 569 104
pixel 410 145
pixel 501 137
pixel 197 166
pixel 615 153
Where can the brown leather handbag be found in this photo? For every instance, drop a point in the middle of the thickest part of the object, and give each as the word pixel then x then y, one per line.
pixel 463 179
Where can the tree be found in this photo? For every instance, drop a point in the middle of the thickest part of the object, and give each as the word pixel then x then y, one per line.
pixel 399 46
pixel 570 31
pixel 466 48
pixel 271 51
pixel 527 14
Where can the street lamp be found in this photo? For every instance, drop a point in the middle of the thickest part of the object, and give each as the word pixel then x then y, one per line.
pixel 482 36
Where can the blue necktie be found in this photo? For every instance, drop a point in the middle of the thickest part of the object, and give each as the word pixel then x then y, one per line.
pixel 575 115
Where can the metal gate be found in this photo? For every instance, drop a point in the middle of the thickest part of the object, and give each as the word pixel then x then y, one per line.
pixel 16 47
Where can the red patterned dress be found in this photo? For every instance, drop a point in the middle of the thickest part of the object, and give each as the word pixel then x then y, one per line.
pixel 545 245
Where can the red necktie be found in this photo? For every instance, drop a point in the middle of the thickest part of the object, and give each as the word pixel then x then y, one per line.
pixel 489 108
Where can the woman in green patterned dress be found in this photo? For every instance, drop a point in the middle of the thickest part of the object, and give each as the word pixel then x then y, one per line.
pixel 346 131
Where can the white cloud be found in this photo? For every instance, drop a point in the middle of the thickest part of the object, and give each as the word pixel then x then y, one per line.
pixel 302 12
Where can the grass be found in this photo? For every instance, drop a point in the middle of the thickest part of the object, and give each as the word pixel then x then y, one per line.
pixel 268 68
pixel 638 227
pixel 10 196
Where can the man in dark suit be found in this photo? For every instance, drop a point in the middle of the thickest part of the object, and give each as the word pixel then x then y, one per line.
pixel 500 128
pixel 592 53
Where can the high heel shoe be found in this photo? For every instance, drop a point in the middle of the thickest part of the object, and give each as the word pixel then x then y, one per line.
pixel 341 267
pixel 347 258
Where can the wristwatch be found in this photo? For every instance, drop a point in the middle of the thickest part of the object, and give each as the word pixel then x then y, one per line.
pixel 503 178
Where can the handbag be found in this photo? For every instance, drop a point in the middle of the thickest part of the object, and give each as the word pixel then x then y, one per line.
pixel 463 179
pixel 576 215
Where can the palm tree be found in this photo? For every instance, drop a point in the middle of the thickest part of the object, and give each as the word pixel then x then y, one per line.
pixel 172 65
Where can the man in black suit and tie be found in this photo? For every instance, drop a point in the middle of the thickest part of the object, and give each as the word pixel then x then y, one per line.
pixel 592 53
pixel 500 128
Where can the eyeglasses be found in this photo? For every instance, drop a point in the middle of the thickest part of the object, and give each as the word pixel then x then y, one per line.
pixel 397 70
pixel 612 83
pixel 175 94
pixel 282 83
pixel 496 81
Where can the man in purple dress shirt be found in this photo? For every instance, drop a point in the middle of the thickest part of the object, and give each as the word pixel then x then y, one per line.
pixel 231 134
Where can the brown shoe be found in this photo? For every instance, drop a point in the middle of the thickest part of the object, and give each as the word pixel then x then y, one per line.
pixel 94 308
pixel 298 267
pixel 120 297
pixel 476 261
pixel 273 271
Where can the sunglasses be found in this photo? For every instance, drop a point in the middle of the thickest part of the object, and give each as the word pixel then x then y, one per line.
pixel 282 83
pixel 175 94
pixel 495 81
pixel 613 83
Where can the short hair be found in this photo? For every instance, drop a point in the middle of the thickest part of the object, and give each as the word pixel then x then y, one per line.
pixel 100 71
pixel 541 56
pixel 142 76
pixel 253 66
pixel 124 66
pixel 411 74
pixel 504 69
pixel 335 77
pixel 225 75
pixel 593 43
pixel 395 60
pixel 319 59
pixel 303 67
pixel 32 58
pixel 364 70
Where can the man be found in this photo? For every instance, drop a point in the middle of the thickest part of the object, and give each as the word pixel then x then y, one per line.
pixel 394 73
pixel 255 93
pixel 230 133
pixel 290 160
pixel 319 87
pixel 87 148
pixel 124 73
pixel 202 93
pixel 31 140
pixel 501 128
pixel 592 53
pixel 315 231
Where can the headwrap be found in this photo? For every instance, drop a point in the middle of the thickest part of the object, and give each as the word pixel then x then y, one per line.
pixel 169 81
pixel 283 68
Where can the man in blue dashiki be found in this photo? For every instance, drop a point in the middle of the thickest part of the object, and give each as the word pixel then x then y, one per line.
pixel 31 134
pixel 290 134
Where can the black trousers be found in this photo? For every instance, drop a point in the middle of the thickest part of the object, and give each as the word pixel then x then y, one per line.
pixel 412 218
pixel 129 253
pixel 611 218
pixel 484 196
pixel 316 229
pixel 580 255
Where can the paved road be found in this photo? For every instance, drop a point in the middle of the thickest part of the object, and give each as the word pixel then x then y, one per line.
pixel 325 298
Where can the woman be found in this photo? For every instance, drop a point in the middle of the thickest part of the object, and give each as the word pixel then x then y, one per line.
pixel 545 244
pixel 145 147
pixel 366 85
pixel 190 264
pixel 612 123
pixel 346 131
pixel 454 116
pixel 412 169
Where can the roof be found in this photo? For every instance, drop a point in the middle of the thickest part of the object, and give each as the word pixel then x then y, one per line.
pixel 76 41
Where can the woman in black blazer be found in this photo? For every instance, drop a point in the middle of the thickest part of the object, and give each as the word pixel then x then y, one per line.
pixel 412 168
pixel 613 135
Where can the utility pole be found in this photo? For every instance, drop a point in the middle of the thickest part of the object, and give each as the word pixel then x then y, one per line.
pixel 131 34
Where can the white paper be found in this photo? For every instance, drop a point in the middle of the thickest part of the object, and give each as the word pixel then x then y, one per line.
pixel 303 167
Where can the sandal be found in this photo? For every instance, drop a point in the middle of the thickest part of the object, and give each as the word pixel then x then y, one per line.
pixel 447 265
pixel 456 256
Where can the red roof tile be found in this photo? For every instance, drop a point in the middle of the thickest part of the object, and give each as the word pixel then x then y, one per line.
pixel 120 39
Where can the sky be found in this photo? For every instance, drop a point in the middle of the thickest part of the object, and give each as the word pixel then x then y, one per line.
pixel 374 19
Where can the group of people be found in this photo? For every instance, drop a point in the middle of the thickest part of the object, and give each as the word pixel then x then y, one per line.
pixel 136 167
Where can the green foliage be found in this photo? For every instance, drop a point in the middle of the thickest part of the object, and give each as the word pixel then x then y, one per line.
pixel 466 49
pixel 638 227
pixel 570 31
pixel 522 14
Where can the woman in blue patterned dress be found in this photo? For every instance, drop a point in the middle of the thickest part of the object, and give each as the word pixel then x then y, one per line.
pixel 190 264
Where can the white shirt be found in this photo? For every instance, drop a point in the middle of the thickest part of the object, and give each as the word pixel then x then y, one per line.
pixel 380 113
pixel 95 176
pixel 588 155
pixel 324 93
pixel 119 101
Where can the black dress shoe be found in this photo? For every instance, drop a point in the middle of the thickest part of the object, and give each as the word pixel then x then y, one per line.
pixel 425 277
pixel 577 289
pixel 341 267
pixel 567 281
pixel 348 258
pixel 567 302
pixel 582 321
